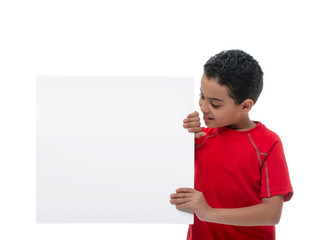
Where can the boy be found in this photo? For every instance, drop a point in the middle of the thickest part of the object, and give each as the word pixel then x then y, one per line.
pixel 241 175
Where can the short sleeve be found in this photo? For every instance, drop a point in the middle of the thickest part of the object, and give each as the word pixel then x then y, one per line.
pixel 275 179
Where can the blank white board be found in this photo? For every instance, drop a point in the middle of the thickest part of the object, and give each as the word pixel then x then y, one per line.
pixel 112 149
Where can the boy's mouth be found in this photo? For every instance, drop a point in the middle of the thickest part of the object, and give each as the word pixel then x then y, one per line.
pixel 207 119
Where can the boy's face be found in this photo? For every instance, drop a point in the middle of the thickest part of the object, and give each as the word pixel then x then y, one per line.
pixel 223 111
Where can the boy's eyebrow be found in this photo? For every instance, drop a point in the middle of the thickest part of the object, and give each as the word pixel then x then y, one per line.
pixel 217 99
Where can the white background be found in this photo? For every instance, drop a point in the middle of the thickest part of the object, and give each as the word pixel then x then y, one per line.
pixel 162 38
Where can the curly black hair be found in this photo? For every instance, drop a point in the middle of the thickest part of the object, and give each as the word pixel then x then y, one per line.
pixel 237 70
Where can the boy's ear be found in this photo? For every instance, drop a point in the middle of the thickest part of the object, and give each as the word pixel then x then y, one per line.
pixel 246 105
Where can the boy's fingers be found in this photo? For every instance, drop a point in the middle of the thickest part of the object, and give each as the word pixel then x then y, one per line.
pixel 195 129
pixel 199 135
pixel 192 119
pixel 184 190
pixel 180 195
pixel 192 124
pixel 181 200
pixel 194 114
pixel 202 134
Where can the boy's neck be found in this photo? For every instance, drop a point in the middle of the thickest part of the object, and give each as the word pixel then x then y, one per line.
pixel 243 124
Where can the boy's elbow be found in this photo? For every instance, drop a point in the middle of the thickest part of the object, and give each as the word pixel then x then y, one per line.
pixel 271 221
pixel 275 218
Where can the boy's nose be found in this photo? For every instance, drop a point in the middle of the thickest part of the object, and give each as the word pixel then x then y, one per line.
pixel 204 111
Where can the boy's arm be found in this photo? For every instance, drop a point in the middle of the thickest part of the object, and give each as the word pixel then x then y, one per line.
pixel 267 213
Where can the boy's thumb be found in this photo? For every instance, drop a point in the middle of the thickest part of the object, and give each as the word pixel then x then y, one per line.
pixel 203 134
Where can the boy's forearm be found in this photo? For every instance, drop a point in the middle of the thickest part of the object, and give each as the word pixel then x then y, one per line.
pixel 257 215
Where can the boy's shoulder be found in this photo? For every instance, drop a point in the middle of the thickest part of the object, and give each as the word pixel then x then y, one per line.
pixel 264 139
pixel 267 135
pixel 267 132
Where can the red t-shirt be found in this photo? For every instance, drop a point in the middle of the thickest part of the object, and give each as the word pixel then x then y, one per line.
pixel 235 169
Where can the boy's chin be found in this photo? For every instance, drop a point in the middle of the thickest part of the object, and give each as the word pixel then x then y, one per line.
pixel 214 125
pixel 211 125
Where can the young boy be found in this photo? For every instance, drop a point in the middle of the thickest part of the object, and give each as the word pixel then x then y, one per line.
pixel 241 175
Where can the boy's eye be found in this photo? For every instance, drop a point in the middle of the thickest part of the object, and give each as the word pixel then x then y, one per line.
pixel 202 97
pixel 215 106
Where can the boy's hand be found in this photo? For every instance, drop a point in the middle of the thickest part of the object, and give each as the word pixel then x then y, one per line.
pixel 193 123
pixel 190 200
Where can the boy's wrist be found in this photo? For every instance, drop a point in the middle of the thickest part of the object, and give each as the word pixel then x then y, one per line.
pixel 209 214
